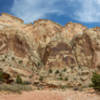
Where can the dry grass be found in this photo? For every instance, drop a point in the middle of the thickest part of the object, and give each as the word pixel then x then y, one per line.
pixel 17 88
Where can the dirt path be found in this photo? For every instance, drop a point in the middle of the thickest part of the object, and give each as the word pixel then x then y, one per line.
pixel 51 95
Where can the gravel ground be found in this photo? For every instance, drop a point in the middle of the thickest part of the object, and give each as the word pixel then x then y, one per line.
pixel 51 95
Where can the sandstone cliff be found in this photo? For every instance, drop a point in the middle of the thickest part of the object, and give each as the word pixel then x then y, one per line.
pixel 26 49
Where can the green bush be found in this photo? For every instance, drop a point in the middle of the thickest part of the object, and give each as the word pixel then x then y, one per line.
pixel 1 76
pixel 13 58
pixel 66 79
pixel 63 86
pixel 96 81
pixel 64 70
pixel 20 62
pixel 60 74
pixel 50 71
pixel 18 80
pixel 60 78
pixel 3 60
pixel 41 78
pixel 57 72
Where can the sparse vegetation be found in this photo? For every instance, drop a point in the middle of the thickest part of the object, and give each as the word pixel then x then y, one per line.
pixel 38 64
pixel 57 72
pixel 60 78
pixel 5 56
pixel 50 71
pixel 66 79
pixel 20 62
pixel 96 81
pixel 63 86
pixel 19 80
pixel 26 83
pixel 64 70
pixel 1 76
pixel 60 74
pixel 31 76
pixel 15 88
pixel 71 67
pixel 41 78
pixel 13 58
pixel 3 60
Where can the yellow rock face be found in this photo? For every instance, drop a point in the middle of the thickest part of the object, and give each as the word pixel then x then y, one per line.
pixel 27 47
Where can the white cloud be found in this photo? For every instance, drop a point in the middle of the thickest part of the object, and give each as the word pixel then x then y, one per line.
pixel 81 10
pixel 30 10
pixel 89 11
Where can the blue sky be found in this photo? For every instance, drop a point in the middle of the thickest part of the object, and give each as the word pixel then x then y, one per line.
pixel 86 12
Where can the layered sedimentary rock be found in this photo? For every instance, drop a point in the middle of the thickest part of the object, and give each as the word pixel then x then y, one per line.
pixel 7 20
pixel 94 36
pixel 83 50
pixel 45 31
pixel 26 48
pixel 17 52
pixel 70 30
pixel 14 52
pixel 59 54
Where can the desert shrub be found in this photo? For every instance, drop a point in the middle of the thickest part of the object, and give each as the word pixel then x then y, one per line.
pixel 18 80
pixel 41 78
pixel 1 76
pixel 63 86
pixel 38 64
pixel 13 58
pixel 66 79
pixel 60 78
pixel 60 74
pixel 26 83
pixel 72 67
pixel 5 56
pixel 31 76
pixel 3 60
pixel 20 62
pixel 15 88
pixel 50 71
pixel 57 72
pixel 64 70
pixel 96 81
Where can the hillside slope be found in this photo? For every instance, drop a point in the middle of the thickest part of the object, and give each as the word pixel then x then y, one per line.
pixel 32 50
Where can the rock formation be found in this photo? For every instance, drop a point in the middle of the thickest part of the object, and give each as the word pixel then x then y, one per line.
pixel 27 48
